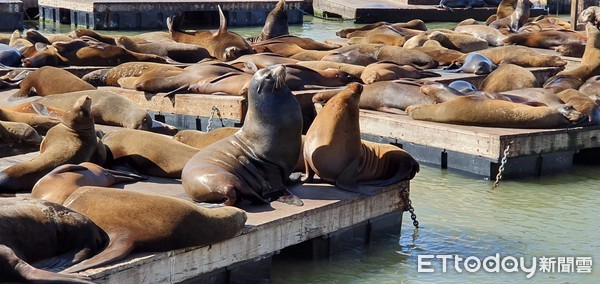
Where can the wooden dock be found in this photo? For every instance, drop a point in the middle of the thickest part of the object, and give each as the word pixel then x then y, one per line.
pixel 400 11
pixel 330 221
pixel 11 15
pixel 152 14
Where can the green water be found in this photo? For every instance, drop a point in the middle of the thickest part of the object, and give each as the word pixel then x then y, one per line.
pixel 554 216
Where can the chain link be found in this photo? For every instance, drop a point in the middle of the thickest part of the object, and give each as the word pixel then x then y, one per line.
pixel 214 111
pixel 409 207
pixel 502 165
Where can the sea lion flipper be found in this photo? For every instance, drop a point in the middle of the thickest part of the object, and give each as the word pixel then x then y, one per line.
pixel 123 176
pixel 290 199
pixel 15 97
pixel 118 248
pixel 222 21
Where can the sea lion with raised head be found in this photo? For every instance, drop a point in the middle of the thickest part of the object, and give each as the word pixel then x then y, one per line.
pixel 276 23
pixel 222 44
pixel 582 104
pixel 74 140
pixel 334 151
pixel 255 162
pixel 152 223
pixel 61 182
pixel 33 230
pixel 146 153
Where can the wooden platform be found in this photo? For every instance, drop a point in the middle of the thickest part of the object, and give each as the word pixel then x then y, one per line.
pixel 328 214
pixel 11 15
pixel 479 150
pixel 142 14
pixel 370 11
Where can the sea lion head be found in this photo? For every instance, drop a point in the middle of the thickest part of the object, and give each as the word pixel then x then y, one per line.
pixel 96 78
pixel 80 114
pixel 270 79
pixel 139 120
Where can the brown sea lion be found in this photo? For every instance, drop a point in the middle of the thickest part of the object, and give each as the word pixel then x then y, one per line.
pixel 581 103
pixel 180 52
pixel 458 41
pixel 33 230
pixel 18 132
pixel 200 140
pixel 505 9
pixel 590 61
pixel 303 42
pixel 41 123
pixel 386 96
pixel 439 92
pixel 489 34
pixel 442 55
pixel 591 87
pixel 509 77
pixel 290 50
pixel 398 55
pixel 72 141
pixel 415 24
pixel 108 108
pixel 36 108
pixel 479 111
pixel 355 70
pixel 559 83
pixel 152 223
pixel 276 23
pixel 50 80
pixel 222 44
pixel 590 15
pixel 379 38
pixel 61 182
pixel 517 19
pixel 520 55
pixel 255 162
pixel 262 60
pixel 547 38
pixel 96 54
pixel 147 153
pixel 387 71
pixel 571 50
pixel 79 33
pixel 354 57
pixel 299 77
pixel 385 30
pixel 467 22
pixel 110 77
pixel 334 151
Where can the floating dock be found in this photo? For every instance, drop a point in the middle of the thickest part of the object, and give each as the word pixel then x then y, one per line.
pixel 392 11
pixel 152 14
pixel 331 220
pixel 11 15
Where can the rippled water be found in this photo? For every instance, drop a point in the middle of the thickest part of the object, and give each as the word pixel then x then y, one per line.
pixel 554 216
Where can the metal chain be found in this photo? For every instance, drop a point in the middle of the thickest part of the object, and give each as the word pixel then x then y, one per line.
pixel 212 116
pixel 502 165
pixel 410 209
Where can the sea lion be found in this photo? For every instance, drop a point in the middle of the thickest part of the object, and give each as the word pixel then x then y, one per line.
pixel 476 63
pixel 110 77
pixel 152 223
pixel 480 111
pixel 255 162
pixel 61 182
pixel 559 83
pixel 547 38
pixel 442 55
pixel 590 15
pixel 222 44
pixel 492 36
pixel 50 80
pixel 468 4
pixel 108 108
pixel 334 151
pixel 290 50
pixel 355 70
pixel 94 54
pixel 383 30
pixel 354 57
pixel 200 140
pixel 509 77
pixel 517 19
pixel 462 86
pixel 379 38
pixel 72 141
pixel 440 92
pixel 33 230
pixel 180 52
pixel 520 55
pixel 299 77
pixel 303 42
pixel 467 22
pixel 396 54
pixel 590 61
pixel 582 104
pixel 147 153
pixel 386 96
pixel 41 123
pixel 262 60
pixel 458 41
pixel 415 24
pixel 9 56
pixel 571 50
pixel 79 33
pixel 505 9
pixel 387 71
pixel 276 23
pixel 18 132
pixel 591 87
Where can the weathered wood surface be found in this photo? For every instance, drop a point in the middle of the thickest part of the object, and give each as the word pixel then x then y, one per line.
pixel 269 228
pixel 487 142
